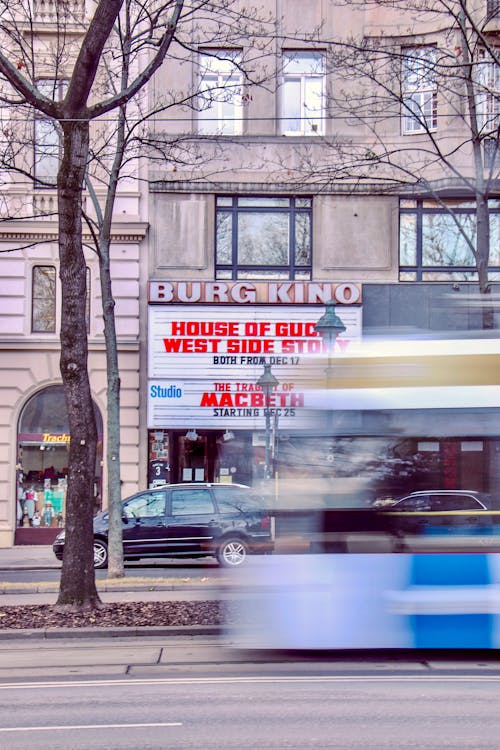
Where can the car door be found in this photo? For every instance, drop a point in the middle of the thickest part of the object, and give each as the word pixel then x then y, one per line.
pixel 460 514
pixel 192 524
pixel 410 515
pixel 144 524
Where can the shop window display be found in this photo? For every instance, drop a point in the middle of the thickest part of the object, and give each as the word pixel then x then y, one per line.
pixel 43 459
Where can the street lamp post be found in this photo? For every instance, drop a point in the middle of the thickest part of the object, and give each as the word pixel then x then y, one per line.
pixel 267 382
pixel 329 327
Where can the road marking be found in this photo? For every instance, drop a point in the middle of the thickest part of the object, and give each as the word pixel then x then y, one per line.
pixel 91 726
pixel 255 680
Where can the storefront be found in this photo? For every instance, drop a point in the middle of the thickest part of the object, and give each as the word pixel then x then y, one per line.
pixel 392 422
pixel 208 344
pixel 42 466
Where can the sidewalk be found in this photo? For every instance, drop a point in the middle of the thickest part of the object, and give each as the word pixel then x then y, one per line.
pixel 23 556
pixel 131 588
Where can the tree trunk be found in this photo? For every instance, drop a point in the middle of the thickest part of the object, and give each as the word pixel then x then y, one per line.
pixel 77 588
pixel 115 537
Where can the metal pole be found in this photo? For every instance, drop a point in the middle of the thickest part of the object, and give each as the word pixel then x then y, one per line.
pixel 267 382
pixel 267 468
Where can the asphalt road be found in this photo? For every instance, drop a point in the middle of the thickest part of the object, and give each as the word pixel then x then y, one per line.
pixel 289 710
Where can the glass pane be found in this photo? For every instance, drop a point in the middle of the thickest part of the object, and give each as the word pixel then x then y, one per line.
pixel 46 412
pixel 407 240
pixel 313 105
pixel 224 201
pixel 223 274
pixel 219 106
pixel 43 314
pixel 452 202
pixel 87 301
pixel 264 202
pixel 207 114
pixel 303 202
pixel 149 505
pixel 191 502
pixel 302 239
pixel 46 149
pixel 261 274
pixel 419 66
pixel 231 118
pixel 449 276
pixel 263 239
pixel 407 276
pixel 291 107
pixel 221 61
pixel 442 242
pixel 52 88
pixel 223 240
pixel 303 63
pixel 494 240
pixel 302 276
pixel 405 203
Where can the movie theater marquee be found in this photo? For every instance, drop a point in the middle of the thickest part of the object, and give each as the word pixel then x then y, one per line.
pixel 249 293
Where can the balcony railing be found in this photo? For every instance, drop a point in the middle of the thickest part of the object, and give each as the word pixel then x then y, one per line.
pixel 52 11
pixel 492 9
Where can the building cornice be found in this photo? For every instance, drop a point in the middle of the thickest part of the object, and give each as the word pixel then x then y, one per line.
pixel 38 345
pixel 20 230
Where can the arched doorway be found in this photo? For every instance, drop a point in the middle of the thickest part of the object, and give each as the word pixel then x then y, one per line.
pixel 42 466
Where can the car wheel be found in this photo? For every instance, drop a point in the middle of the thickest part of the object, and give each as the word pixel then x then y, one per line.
pixel 232 552
pixel 100 554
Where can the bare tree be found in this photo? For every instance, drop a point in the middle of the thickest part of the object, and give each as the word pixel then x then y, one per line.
pixel 116 66
pixel 20 71
pixel 414 103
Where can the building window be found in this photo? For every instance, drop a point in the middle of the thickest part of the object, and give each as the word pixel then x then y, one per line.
pixel 47 141
pixel 488 92
pixel 303 93
pixel 491 152
pixel 419 89
pixel 43 299
pixel 220 99
pixel 492 9
pixel 87 301
pixel 432 245
pixel 268 238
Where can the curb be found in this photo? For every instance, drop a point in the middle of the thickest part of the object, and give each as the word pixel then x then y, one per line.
pixel 111 632
pixel 51 588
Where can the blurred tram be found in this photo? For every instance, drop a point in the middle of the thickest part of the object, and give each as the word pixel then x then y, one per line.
pixel 388 509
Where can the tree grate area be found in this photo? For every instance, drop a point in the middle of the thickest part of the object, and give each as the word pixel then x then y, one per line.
pixel 122 614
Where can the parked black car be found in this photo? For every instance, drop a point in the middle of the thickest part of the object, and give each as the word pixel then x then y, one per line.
pixel 429 520
pixel 187 520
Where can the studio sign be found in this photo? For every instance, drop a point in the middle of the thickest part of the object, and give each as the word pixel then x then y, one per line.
pixel 243 292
